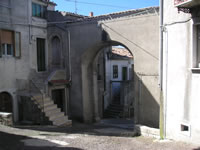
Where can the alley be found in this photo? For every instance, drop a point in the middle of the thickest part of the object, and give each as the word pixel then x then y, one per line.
pixel 81 137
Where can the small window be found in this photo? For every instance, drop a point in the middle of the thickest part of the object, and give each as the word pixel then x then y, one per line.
pixel 10 43
pixel 7 49
pixel 198 46
pixel 185 129
pixel 38 10
pixel 115 71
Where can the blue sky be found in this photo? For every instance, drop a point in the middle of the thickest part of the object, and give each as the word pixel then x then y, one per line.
pixel 118 5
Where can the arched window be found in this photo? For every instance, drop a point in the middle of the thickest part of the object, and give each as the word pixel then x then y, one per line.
pixel 56 51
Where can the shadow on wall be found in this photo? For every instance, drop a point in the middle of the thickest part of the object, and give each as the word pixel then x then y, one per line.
pixel 147 108
pixel 197 148
pixel 18 142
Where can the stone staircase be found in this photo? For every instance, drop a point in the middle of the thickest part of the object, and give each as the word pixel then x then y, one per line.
pixel 114 110
pixel 50 110
pixel 37 93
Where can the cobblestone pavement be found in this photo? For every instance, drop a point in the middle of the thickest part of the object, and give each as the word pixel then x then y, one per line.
pixel 81 137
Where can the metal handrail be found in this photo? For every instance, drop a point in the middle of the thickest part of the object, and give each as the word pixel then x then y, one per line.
pixel 32 83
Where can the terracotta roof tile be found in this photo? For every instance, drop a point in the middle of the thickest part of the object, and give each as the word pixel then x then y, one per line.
pixel 121 52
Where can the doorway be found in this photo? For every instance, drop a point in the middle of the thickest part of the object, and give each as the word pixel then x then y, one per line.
pixel 58 97
pixel 41 65
pixel 5 102
pixel 124 73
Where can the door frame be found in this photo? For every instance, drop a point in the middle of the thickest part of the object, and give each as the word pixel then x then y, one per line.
pixel 46 55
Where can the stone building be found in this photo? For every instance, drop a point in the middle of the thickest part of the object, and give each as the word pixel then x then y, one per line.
pixel 29 77
pixel 137 31
pixel 47 61
pixel 181 78
pixel 115 82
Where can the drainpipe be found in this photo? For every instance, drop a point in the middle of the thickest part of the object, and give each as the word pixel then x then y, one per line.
pixel 69 55
pixel 162 126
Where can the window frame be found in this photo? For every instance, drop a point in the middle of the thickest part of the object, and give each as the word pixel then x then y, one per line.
pixel 13 45
pixel 5 52
pixel 115 71
pixel 40 10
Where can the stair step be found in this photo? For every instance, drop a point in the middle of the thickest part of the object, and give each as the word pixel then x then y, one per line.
pixel 47 103
pixel 50 107
pixel 56 115
pixel 52 111
pixel 60 121
pixel 113 111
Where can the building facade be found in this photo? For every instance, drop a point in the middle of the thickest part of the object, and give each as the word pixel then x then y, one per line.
pixel 30 77
pixel 47 61
pixel 181 76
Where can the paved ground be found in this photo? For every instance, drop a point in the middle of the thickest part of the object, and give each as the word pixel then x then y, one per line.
pixel 82 137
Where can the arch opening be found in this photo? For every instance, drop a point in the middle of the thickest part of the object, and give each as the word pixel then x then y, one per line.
pixel 6 102
pixel 56 51
pixel 109 81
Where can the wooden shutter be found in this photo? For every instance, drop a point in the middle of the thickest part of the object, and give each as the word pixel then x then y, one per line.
pixel 17 50
pixel 7 37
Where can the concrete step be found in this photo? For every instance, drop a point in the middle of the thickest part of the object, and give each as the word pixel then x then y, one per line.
pixel 52 111
pixel 112 111
pixel 56 115
pixel 60 121
pixel 50 107
pixel 47 103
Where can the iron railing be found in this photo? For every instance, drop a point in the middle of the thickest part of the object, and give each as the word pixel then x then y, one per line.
pixel 33 88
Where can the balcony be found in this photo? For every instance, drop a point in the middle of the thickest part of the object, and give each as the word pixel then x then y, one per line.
pixel 186 3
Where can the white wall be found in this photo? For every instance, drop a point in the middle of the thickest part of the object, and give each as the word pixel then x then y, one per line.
pixel 181 85
pixel 109 76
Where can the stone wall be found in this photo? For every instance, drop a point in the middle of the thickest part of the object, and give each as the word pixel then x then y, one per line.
pixel 6 119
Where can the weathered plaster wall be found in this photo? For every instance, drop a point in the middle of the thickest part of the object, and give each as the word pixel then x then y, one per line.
pixel 181 86
pixel 17 17
pixel 140 34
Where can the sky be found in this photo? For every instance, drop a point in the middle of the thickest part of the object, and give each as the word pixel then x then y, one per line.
pixel 84 7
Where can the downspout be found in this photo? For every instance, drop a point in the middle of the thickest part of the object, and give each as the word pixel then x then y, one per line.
pixel 70 78
pixel 162 126
pixel 69 56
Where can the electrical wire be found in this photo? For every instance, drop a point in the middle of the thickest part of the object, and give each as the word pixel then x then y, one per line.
pixel 131 42
pixel 97 4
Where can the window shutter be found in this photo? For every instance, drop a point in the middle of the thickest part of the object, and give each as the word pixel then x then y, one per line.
pixel 7 37
pixel 17 52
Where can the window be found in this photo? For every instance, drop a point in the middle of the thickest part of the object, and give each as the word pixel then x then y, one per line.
pixel 10 43
pixel 38 10
pixel 7 49
pixel 115 71
pixel 198 47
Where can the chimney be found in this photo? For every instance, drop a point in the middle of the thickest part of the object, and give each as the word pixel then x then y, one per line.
pixel 91 14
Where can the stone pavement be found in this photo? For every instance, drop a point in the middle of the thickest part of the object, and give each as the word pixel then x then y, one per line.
pixel 81 137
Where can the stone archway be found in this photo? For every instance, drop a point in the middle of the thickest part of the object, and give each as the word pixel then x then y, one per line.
pixel 6 102
pixel 89 84
pixel 56 51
